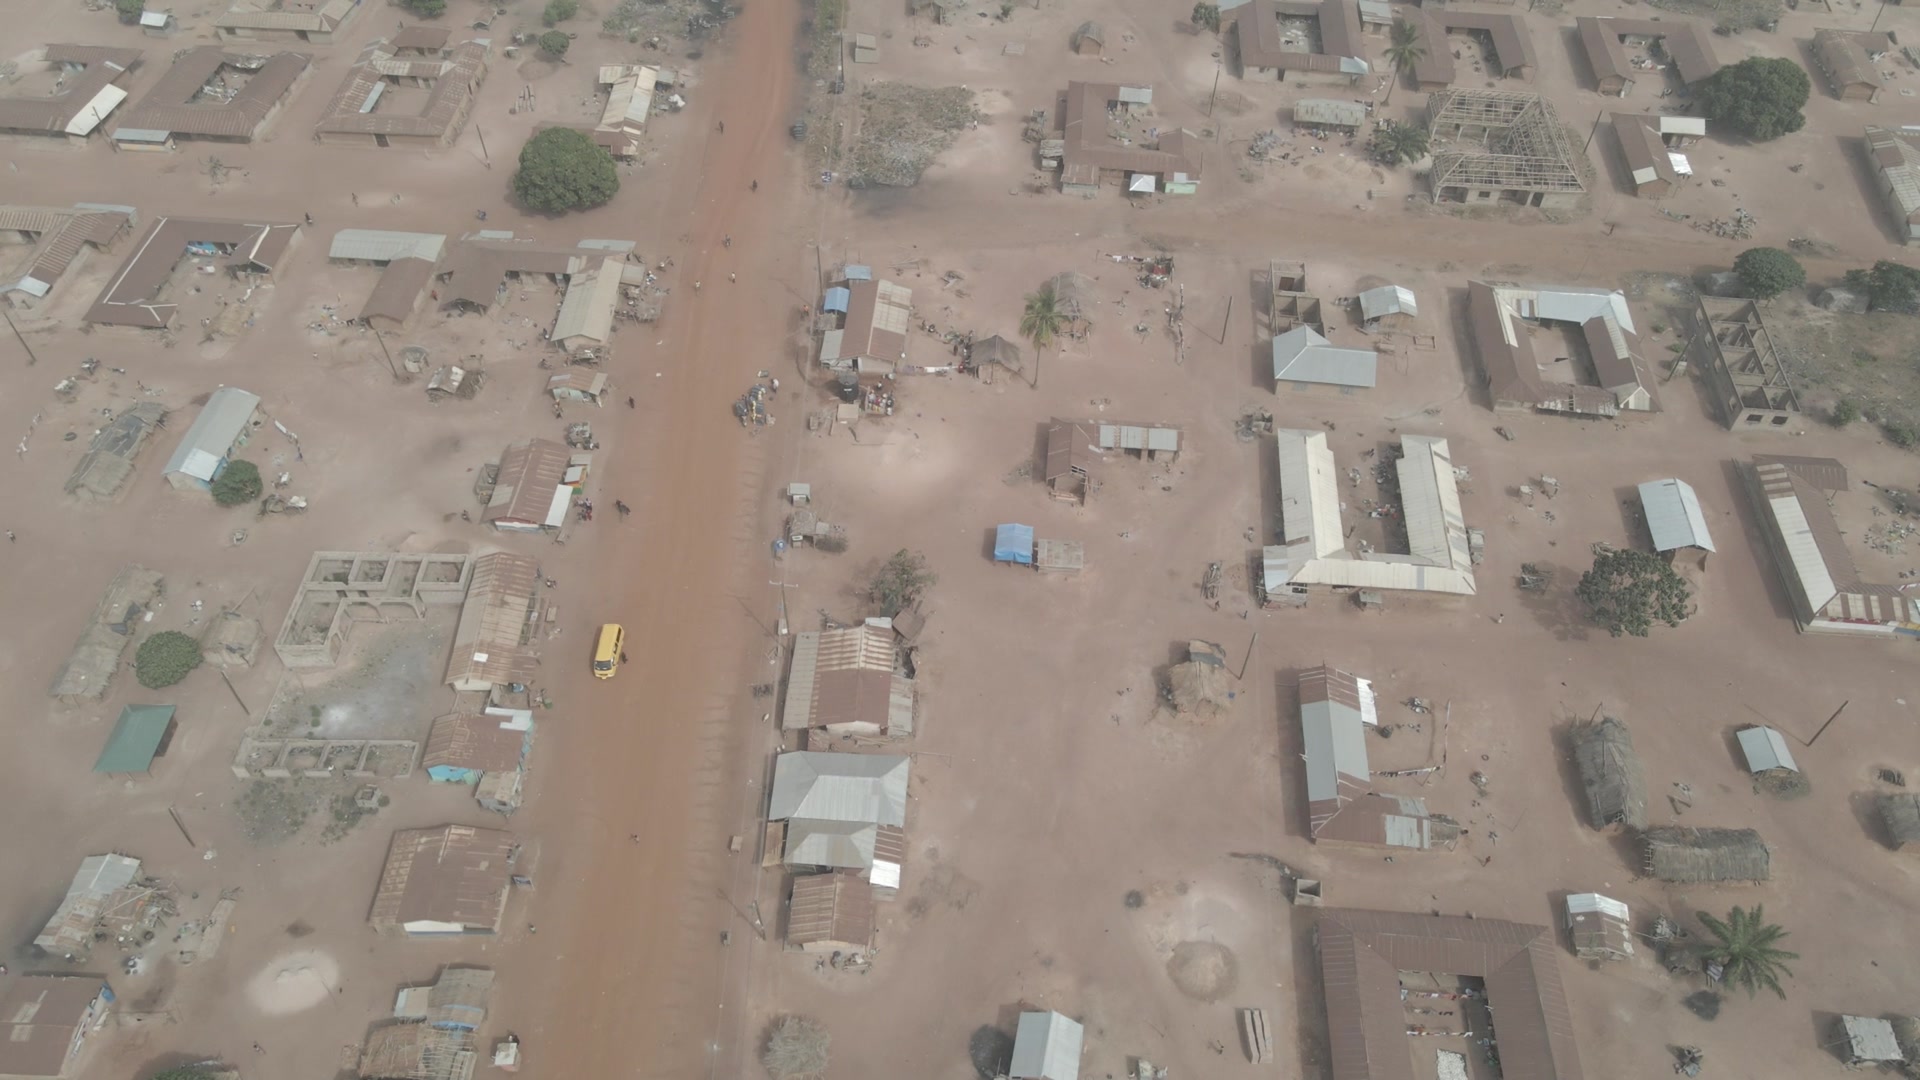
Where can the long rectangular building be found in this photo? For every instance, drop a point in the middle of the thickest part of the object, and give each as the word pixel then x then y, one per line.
pixel 1895 156
pixel 1435 68
pixel 211 93
pixel 93 82
pixel 1790 494
pixel 1499 316
pixel 1604 40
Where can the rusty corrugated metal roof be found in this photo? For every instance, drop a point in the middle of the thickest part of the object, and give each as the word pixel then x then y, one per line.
pixel 1363 952
pixel 170 106
pixel 453 874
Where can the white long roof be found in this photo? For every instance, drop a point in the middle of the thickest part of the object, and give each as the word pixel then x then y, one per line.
pixel 1314 551
pixel 870 788
pixel 1674 516
pixel 1302 355
pixel 385 245
pixel 587 309
pixel 1046 1044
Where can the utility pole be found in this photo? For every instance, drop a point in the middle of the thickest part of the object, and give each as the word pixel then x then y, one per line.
pixel 1828 724
pixel 483 145
pixel 31 359
pixel 384 352
pixel 1216 91
pixel 1595 130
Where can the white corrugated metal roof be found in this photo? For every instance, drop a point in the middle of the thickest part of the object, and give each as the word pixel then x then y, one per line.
pixel 830 345
pixel 1388 300
pixel 1683 125
pixel 1335 745
pixel 1579 903
pixel 1809 568
pixel 1562 304
pixel 587 308
pixel 1680 163
pixel 1139 437
pixel 1135 95
pixel 221 423
pixel 840 787
pixel 1430 503
pixel 1309 492
pixel 1674 516
pixel 1301 355
pixel 1046 1046
pixel 94 112
pixel 847 844
pixel 1765 749
pixel 1348 114
pixel 384 245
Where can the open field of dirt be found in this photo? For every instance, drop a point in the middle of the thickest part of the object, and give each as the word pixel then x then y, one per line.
pixel 1072 845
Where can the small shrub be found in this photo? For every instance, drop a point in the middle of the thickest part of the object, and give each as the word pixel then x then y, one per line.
pixel 559 11
pixel 238 483
pixel 554 43
pixel 1897 433
pixel 832 543
pixel 165 659
pixel 1206 16
pixel 1845 412
pixel 129 10
pixel 426 9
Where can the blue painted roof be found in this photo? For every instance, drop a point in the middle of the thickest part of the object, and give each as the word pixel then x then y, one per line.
pixel 1013 543
pixel 837 300
pixel 859 273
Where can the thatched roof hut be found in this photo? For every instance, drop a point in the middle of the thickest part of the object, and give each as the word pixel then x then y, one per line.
pixel 1076 297
pixel 1610 771
pixel 997 350
pixel 1199 687
pixel 1901 812
pixel 1676 853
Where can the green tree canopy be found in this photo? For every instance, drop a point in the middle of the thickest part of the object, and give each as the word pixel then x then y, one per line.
pixel 1206 16
pixel 1747 948
pixel 1759 97
pixel 1394 142
pixel 559 11
pixel 238 483
pixel 129 10
pixel 165 659
pixel 1627 591
pixel 562 169
pixel 1042 320
pixel 1767 272
pixel 1403 49
pixel 900 582
pixel 426 9
pixel 555 43
pixel 1890 286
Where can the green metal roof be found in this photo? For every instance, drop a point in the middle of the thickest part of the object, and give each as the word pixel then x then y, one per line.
pixel 135 739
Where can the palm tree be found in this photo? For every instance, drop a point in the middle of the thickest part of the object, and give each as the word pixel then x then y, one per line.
pixel 1403 48
pixel 1746 947
pixel 1394 143
pixel 1043 319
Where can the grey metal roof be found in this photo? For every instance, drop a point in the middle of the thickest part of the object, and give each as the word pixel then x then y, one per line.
pixel 220 424
pixel 1870 1038
pixel 1139 437
pixel 840 787
pixel 1046 1046
pixel 1336 746
pixel 1302 355
pixel 1387 300
pixel 1347 114
pixel 1674 515
pixel 383 245
pixel 848 844
pixel 1765 749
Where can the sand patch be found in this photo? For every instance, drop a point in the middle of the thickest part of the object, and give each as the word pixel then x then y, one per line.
pixel 294 982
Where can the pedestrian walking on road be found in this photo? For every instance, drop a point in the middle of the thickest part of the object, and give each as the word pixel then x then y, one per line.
pixel 733 277
pixel 756 185
pixel 726 241
pixel 696 286
pixel 723 127
pixel 9 536
pixel 630 403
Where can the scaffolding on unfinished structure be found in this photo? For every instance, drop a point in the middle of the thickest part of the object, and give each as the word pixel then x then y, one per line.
pixel 1503 139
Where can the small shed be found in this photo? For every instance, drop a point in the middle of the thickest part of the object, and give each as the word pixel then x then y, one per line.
pixel 1684 855
pixel 1388 305
pixel 1090 39
pixel 1766 750
pixel 221 428
pixel 1046 1046
pixel 1013 544
pixel 1610 772
pixel 1674 517
pixel 1900 812
pixel 1599 926
pixel 577 385
pixel 141 734
pixel 997 350
pixel 157 23
pixel 830 912
pixel 1059 556
pixel 1868 1040
pixel 1327 113
pixel 866 49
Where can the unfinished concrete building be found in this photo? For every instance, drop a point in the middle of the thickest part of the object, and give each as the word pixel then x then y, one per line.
pixel 341 588
pixel 1501 147
pixel 1749 379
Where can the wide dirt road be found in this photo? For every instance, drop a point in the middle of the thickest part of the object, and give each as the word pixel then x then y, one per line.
pixel 622 978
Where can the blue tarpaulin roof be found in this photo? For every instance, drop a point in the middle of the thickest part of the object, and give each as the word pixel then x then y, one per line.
pixel 1013 543
pixel 859 273
pixel 837 300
